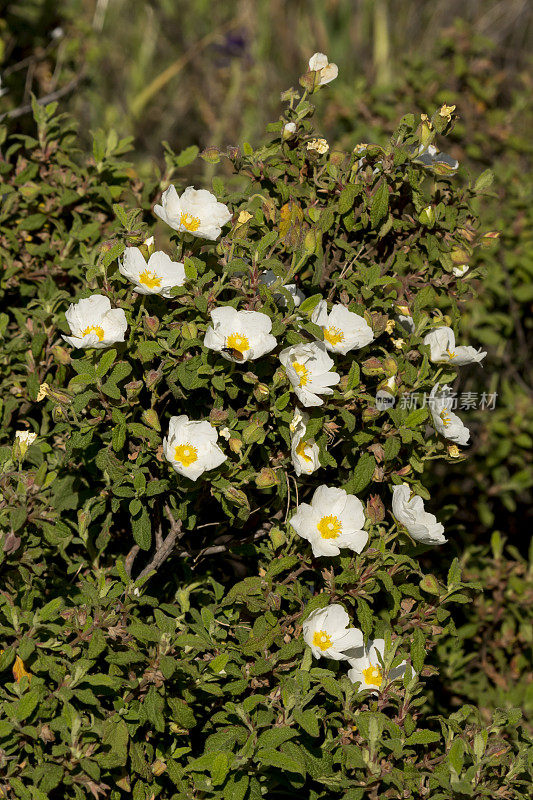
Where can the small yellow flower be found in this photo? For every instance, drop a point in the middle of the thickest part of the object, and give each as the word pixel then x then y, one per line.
pixel 398 343
pixel 446 112
pixel 389 327
pixel 453 451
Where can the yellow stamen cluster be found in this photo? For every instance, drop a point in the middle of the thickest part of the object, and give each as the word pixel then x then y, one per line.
pixel 300 451
pixel 322 640
pixel 446 420
pixel 186 454
pixel 150 279
pixel 330 527
pixel 373 676
pixel 94 329
pixel 239 342
pixel 189 222
pixel 333 335
pixel 302 372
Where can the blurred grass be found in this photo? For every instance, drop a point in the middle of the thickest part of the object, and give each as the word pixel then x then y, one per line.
pixel 205 73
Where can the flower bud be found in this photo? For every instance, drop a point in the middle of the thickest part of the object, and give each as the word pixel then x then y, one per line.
pixel 217 416
pixel 133 389
pixel 370 413
pixel 249 377
pixel 152 420
pixel 236 496
pixel 375 510
pixel 153 378
pixel 60 354
pixel 59 414
pixel 158 767
pixel 312 240
pixel 426 133
pixel 459 256
pixel 427 217
pixel 266 478
pixel 235 445
pixel 211 155
pixel 289 129
pixel 372 366
pixel 151 325
pixel 261 392
pixel 189 330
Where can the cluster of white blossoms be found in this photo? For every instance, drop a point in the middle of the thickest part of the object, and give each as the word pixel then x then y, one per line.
pixel 327 633
pixel 334 519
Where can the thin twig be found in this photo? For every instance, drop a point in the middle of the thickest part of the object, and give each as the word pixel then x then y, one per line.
pixel 165 549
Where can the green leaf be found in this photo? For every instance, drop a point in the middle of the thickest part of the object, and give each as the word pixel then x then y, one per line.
pixel 380 204
pixel 362 474
pixel 309 304
pixel 418 649
pixel 142 529
pixel 423 737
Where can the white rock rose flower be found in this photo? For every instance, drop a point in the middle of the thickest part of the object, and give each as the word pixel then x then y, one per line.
pixel 443 350
pixel 343 330
pixel 268 278
pixel 367 669
pixel 326 72
pixel 93 323
pixel 408 509
pixel 304 454
pixel 239 335
pixel 191 447
pixel 308 369
pixel 24 439
pixel 157 276
pixel 333 520
pixel 327 634
pixel 197 211
pixel 445 421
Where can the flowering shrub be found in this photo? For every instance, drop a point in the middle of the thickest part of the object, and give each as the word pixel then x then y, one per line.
pixel 220 579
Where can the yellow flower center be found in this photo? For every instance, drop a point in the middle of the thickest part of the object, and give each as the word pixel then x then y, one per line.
pixel 446 420
pixel 333 335
pixel 94 329
pixel 373 676
pixel 189 222
pixel 239 342
pixel 330 527
pixel 186 454
pixel 321 640
pixel 302 372
pixel 150 279
pixel 451 354
pixel 300 451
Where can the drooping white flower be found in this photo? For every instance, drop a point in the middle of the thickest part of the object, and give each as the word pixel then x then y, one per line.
pixel 93 323
pixel 327 634
pixel 409 510
pixel 333 520
pixel 239 335
pixel 268 278
pixel 460 270
pixel 343 329
pixel 191 447
pixel 367 669
pixel 445 421
pixel 326 72
pixel 24 439
pixel 304 454
pixel 158 276
pixel 443 350
pixel 430 156
pixel 308 369
pixel 197 211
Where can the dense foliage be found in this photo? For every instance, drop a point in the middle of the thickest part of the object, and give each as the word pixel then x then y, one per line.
pixel 153 624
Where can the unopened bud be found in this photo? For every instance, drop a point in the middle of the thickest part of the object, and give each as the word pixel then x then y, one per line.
pixel 261 392
pixel 150 417
pixel 152 378
pixel 267 478
pixel 211 155
pixel 312 239
pixel 391 367
pixel 370 413
pixel 235 445
pixel 372 366
pixel 375 510
pixel 133 389
pixel 236 496
pixel 151 325
pixel 427 216
pixel 217 416
pixel 289 129
pixel 60 354
pixel 249 377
